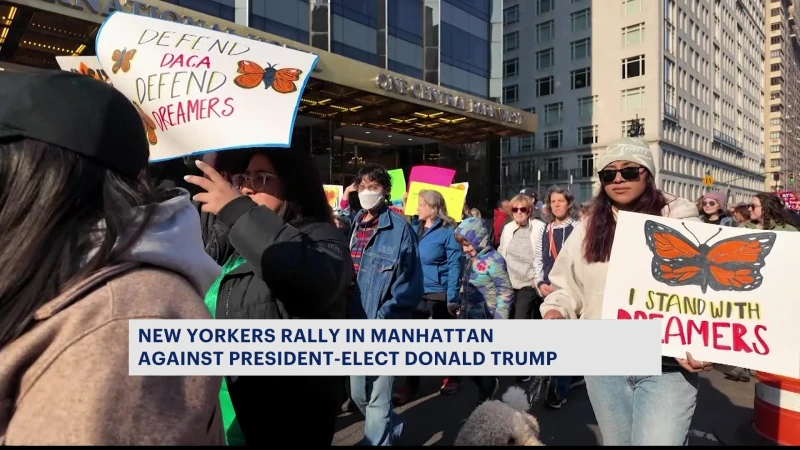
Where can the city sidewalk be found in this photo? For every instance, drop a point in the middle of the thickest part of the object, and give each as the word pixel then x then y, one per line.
pixel 435 420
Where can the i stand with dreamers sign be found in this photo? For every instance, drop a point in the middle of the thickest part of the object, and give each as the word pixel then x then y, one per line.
pixel 725 295
pixel 199 90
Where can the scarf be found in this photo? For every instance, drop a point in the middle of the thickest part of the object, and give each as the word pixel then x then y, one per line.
pixel 233 433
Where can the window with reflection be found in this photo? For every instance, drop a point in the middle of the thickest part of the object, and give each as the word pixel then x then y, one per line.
pixel 224 9
pixel 465 61
pixel 285 18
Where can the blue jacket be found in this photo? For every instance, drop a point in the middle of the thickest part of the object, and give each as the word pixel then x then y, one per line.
pixel 389 281
pixel 441 258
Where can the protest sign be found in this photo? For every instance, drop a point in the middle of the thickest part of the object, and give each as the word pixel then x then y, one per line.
pixel 200 90
pixel 463 186
pixel 333 192
pixel 398 185
pixel 790 199
pixel 84 65
pixel 721 292
pixel 453 199
pixel 440 176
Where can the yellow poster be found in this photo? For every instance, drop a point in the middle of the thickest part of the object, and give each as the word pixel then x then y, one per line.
pixel 453 199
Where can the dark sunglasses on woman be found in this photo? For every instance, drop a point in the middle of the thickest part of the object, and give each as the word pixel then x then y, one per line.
pixel 521 210
pixel 628 174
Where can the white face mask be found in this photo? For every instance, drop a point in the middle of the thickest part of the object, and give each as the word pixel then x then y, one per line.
pixel 369 199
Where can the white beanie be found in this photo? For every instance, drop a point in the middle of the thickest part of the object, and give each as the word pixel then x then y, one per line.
pixel 629 149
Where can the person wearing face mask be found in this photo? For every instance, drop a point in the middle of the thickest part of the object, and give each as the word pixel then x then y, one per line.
pixel 662 405
pixel 287 261
pixel 387 284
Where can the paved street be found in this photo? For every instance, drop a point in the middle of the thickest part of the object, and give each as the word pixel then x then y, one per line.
pixel 434 420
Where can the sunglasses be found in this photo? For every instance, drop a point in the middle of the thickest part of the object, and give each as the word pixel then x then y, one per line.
pixel 753 206
pixel 710 203
pixel 521 210
pixel 628 174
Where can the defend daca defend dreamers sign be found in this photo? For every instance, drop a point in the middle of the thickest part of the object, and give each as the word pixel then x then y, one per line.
pixel 723 294
pixel 200 90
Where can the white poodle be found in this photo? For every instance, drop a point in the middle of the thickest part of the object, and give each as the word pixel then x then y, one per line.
pixel 505 422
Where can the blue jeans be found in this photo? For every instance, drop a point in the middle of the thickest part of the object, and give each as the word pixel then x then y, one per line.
pixel 373 397
pixel 562 385
pixel 643 411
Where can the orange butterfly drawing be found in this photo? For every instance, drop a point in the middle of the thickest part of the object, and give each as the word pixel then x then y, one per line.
pixel 281 80
pixel 732 264
pixel 122 60
pixel 149 125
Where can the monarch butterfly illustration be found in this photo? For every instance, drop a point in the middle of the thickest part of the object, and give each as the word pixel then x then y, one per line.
pixel 122 60
pixel 281 80
pixel 732 264
pixel 149 125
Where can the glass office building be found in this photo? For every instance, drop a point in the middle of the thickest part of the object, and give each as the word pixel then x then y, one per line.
pixel 352 112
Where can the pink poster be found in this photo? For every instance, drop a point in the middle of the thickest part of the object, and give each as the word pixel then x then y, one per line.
pixel 439 176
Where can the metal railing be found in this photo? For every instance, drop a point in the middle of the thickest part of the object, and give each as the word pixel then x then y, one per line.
pixel 670 112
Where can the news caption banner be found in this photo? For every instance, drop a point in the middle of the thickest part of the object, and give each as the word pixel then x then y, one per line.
pixel 199 90
pixel 725 295
pixel 394 347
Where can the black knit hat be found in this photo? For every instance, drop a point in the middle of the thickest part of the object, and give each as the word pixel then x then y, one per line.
pixel 75 112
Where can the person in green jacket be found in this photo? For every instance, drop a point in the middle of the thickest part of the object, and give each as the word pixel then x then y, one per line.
pixel 768 213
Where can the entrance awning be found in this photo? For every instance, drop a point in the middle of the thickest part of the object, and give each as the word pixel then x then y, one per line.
pixel 349 92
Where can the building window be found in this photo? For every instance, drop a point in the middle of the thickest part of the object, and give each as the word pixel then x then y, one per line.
pixel 775 148
pixel 544 31
pixel 545 86
pixel 511 41
pixel 510 94
pixel 586 107
pixel 531 110
pixel 633 35
pixel 505 146
pixel 553 165
pixel 669 36
pixel 581 49
pixel 633 99
pixel 553 113
pixel 552 140
pixel 633 67
pixel 587 135
pixel 631 7
pixel 544 6
pixel 526 143
pixel 510 68
pixel 587 165
pixel 626 126
pixel 775 135
pixel 775 121
pixel 511 15
pixel 581 20
pixel 775 67
pixel 581 78
pixel 544 59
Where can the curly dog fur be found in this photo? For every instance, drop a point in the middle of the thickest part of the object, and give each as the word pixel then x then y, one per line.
pixel 504 422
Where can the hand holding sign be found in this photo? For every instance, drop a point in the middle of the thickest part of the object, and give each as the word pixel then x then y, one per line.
pixel 218 191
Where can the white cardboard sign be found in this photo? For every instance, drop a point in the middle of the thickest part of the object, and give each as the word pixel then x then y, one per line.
pixel 725 295
pixel 84 65
pixel 201 90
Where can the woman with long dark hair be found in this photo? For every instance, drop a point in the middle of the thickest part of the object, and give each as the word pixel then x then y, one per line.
pixel 286 260
pixel 662 405
pixel 85 247
pixel 767 212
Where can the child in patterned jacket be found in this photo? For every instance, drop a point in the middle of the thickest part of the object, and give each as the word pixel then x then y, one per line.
pixel 486 291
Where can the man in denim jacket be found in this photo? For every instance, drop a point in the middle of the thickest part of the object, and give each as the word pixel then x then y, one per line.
pixel 388 284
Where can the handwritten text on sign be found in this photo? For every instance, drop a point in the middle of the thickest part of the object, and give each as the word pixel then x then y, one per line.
pixel 720 291
pixel 201 90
